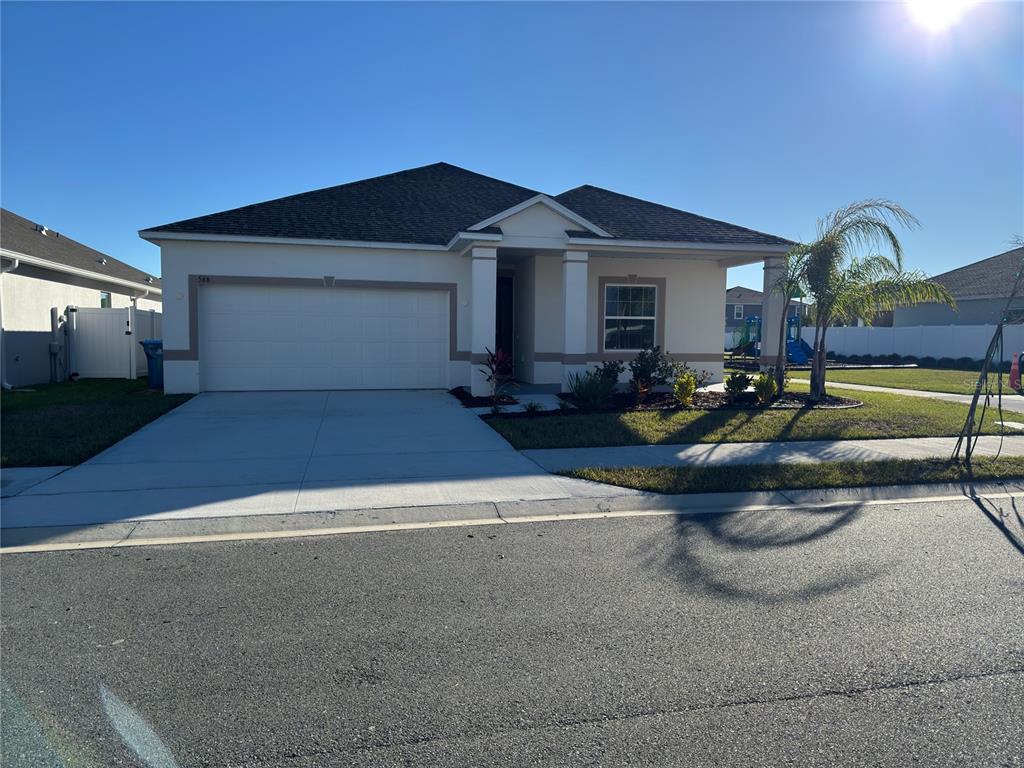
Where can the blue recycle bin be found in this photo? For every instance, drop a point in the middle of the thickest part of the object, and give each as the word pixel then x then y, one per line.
pixel 154 361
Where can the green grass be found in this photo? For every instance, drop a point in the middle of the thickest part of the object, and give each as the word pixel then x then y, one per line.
pixel 773 477
pixel 924 379
pixel 68 423
pixel 882 415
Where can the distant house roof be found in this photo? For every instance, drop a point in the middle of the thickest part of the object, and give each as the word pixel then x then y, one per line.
pixel 993 276
pixel 21 236
pixel 431 204
pixel 739 294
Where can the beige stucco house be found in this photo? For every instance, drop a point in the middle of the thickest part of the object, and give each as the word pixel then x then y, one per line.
pixel 407 280
pixel 44 269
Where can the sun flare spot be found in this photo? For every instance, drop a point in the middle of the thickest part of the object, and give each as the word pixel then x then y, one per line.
pixel 937 15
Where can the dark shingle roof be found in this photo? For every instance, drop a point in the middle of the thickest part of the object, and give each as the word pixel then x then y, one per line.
pixel 422 205
pixel 20 235
pixel 739 293
pixel 432 203
pixel 993 276
pixel 631 218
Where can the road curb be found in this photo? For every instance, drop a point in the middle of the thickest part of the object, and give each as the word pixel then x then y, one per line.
pixel 329 523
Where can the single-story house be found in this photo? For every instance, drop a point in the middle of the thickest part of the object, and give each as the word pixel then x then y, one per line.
pixel 742 303
pixel 42 269
pixel 407 280
pixel 980 289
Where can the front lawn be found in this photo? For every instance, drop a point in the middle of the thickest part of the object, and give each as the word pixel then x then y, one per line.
pixel 68 423
pixel 882 415
pixel 779 477
pixel 924 379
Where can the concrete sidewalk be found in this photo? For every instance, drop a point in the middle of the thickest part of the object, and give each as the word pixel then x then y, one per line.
pixel 806 451
pixel 1011 400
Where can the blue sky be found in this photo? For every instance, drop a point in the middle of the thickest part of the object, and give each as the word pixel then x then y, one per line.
pixel 120 116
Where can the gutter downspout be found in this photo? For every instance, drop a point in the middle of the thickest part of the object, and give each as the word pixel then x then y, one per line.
pixel 15 263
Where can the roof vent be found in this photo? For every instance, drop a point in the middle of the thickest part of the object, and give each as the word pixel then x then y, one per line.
pixel 46 231
pixel 149 280
pixel 101 261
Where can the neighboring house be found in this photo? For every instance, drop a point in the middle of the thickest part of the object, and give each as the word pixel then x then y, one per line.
pixel 43 268
pixel 742 303
pixel 980 290
pixel 407 280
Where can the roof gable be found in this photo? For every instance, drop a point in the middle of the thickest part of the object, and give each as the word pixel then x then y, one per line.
pixel 19 235
pixel 567 217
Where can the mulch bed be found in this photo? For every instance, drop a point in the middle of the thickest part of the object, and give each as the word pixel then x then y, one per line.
pixel 463 396
pixel 622 402
pixel 715 401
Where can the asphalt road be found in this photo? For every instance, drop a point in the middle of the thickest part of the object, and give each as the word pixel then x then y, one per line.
pixel 872 636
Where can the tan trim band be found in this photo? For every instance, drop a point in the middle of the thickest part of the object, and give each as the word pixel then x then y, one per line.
pixel 328 282
pixel 601 357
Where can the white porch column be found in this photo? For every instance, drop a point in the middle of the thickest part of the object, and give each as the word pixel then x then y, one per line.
pixel 772 310
pixel 574 307
pixel 483 314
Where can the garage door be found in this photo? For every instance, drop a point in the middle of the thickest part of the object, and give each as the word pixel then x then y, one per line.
pixel 256 338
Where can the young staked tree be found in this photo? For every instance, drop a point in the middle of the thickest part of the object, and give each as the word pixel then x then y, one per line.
pixel 846 286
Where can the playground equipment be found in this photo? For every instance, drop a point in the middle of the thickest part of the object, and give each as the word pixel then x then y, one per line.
pixel 747 340
pixel 798 351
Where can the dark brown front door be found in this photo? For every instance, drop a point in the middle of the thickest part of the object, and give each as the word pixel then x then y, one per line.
pixel 504 326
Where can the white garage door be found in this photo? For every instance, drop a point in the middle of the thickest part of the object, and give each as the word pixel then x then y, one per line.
pixel 256 338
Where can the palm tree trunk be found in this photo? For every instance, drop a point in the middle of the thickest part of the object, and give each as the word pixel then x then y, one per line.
pixel 823 350
pixel 780 366
pixel 814 358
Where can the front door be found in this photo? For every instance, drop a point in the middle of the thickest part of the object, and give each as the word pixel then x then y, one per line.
pixel 504 326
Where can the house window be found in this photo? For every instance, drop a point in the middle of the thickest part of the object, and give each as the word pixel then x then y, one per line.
pixel 104 299
pixel 629 316
pixel 737 312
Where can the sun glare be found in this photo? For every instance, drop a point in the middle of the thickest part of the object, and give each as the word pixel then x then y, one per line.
pixel 937 15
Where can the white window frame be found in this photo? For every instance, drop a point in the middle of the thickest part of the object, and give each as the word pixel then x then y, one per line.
pixel 110 299
pixel 608 317
pixel 737 311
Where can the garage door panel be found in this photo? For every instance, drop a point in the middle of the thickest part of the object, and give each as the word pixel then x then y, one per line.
pixel 266 337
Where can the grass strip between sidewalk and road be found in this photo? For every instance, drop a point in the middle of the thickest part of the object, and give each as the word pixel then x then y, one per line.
pixel 792 477
pixel 56 424
pixel 957 382
pixel 882 416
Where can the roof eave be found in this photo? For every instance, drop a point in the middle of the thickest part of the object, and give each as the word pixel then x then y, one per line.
pixel 56 266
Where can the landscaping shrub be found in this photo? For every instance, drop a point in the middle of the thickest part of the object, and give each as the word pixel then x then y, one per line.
pixel 967 363
pixel 764 386
pixel 611 369
pixel 927 362
pixel 946 362
pixel 533 407
pixel 650 368
pixel 684 387
pixel 736 384
pixel 591 388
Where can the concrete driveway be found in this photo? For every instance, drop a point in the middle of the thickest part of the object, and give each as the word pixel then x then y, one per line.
pixel 227 454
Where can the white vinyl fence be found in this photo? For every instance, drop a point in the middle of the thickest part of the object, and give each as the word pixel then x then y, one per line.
pixel 104 343
pixel 936 341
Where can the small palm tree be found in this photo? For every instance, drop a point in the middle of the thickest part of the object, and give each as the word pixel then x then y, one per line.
pixel 789 285
pixel 846 286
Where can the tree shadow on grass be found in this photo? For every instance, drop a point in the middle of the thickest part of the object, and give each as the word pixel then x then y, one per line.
pixel 743 555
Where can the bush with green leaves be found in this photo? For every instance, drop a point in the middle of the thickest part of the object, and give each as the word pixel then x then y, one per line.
pixel 736 384
pixel 684 387
pixel 532 407
pixel 650 368
pixel 764 386
pixel 591 388
pixel 611 369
